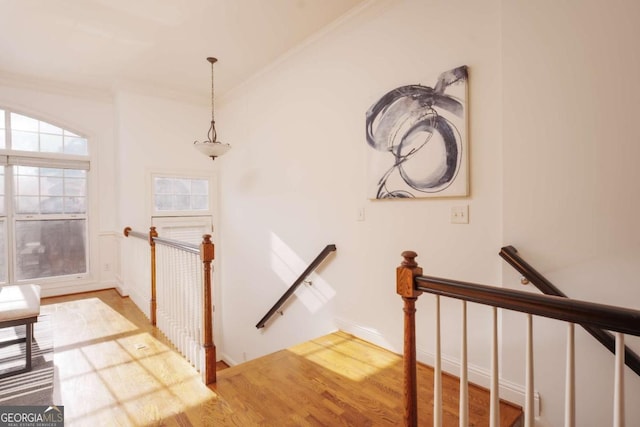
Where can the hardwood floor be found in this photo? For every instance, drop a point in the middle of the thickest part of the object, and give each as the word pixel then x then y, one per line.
pixel 113 368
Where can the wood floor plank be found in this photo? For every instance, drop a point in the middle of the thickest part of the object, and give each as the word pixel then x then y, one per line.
pixel 114 368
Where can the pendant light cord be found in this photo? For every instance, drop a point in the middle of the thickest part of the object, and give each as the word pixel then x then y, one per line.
pixel 212 134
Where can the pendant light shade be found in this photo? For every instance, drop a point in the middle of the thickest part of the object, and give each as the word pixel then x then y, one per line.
pixel 212 147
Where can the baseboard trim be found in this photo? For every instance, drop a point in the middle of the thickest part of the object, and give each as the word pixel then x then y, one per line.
pixel 509 390
pixel 227 359
pixel 55 291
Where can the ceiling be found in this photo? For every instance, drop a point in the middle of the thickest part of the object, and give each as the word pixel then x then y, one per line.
pixel 154 44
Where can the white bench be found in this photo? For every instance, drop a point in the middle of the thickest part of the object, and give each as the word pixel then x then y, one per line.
pixel 19 305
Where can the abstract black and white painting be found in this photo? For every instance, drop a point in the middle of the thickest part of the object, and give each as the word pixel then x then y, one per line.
pixel 417 140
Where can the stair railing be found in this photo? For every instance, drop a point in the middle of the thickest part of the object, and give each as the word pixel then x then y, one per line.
pixel 181 297
pixel 510 255
pixel 314 264
pixel 410 284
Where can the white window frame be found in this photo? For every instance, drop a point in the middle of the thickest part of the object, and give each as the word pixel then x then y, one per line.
pixel 10 157
pixel 4 225
pixel 181 213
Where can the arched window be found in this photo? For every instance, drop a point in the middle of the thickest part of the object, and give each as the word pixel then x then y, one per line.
pixel 43 200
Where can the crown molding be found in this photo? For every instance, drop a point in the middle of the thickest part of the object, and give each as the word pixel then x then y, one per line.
pixel 56 87
pixel 24 81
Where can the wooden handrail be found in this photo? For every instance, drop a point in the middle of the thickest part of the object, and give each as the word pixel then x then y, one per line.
pixel 603 316
pixel 510 255
pixel 129 232
pixel 184 246
pixel 410 284
pixel 314 264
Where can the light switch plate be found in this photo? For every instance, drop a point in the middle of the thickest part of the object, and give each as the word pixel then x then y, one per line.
pixel 460 214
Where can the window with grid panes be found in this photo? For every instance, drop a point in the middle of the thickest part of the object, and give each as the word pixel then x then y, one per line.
pixel 44 172
pixel 181 207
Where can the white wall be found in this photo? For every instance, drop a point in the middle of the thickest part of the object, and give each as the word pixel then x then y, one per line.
pixel 92 116
pixel 553 151
pixel 552 107
pixel 571 181
pixel 295 179
pixel 154 135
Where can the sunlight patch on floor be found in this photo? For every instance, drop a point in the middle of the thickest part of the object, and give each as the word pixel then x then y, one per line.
pixel 131 377
pixel 346 356
pixel 73 313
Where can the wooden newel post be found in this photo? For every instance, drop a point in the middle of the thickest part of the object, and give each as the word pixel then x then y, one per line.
pixel 207 256
pixel 153 305
pixel 405 287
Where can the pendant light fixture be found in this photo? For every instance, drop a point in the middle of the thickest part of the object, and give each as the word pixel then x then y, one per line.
pixel 212 147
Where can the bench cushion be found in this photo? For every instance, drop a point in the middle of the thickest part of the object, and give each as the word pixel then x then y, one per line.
pixel 19 302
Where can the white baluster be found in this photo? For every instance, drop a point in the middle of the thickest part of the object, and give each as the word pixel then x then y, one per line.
pixel 437 372
pixel 173 285
pixel 189 309
pixel 494 408
pixel 162 280
pixel 528 406
pixel 200 315
pixel 570 380
pixel 618 393
pixel 160 262
pixel 184 304
pixel 165 294
pixel 464 384
pixel 166 284
pixel 198 326
pixel 179 294
pixel 181 289
pixel 193 289
pixel 180 309
pixel 166 278
pixel 159 299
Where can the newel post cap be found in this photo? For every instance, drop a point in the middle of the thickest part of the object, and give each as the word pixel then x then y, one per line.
pixel 207 251
pixel 405 273
pixel 409 260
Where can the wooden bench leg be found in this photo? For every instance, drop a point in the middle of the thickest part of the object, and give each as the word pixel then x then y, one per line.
pixel 28 344
pixel 27 340
pixel 20 305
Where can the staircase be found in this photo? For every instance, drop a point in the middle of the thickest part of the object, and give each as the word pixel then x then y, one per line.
pixel 338 379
